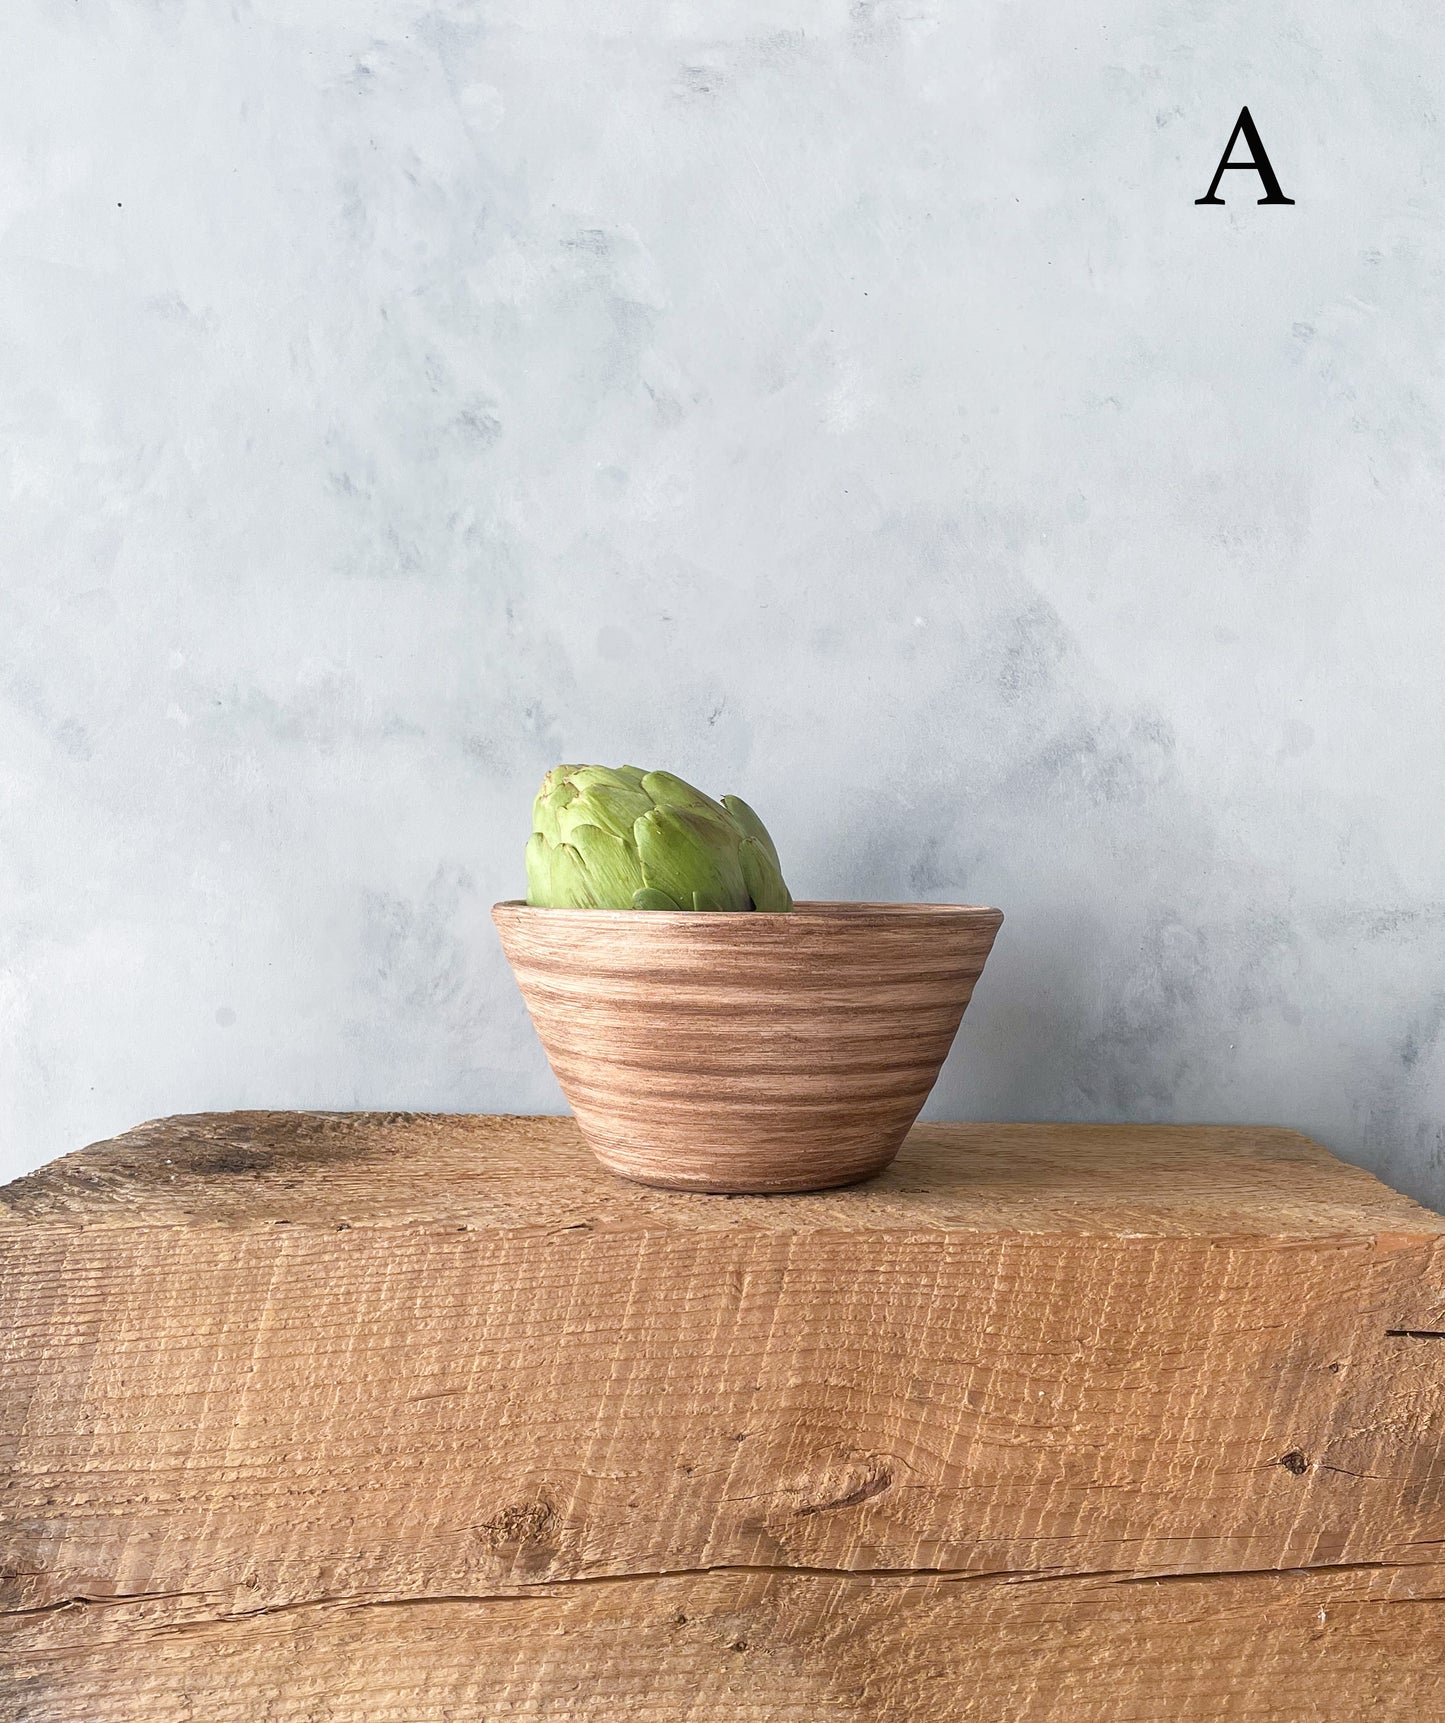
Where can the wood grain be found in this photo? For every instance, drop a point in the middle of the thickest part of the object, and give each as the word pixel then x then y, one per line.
pixel 764 1647
pixel 384 1417
pixel 747 1053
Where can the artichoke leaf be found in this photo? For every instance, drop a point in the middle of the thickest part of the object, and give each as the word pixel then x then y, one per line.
pixel 611 867
pixel 539 872
pixel 650 898
pixel 752 827
pixel 614 807
pixel 563 878
pixel 764 878
pixel 684 850
pixel 667 790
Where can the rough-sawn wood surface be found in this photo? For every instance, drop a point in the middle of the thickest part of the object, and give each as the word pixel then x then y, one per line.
pixel 387 1417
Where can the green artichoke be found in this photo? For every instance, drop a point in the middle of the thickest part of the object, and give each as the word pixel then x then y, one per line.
pixel 629 839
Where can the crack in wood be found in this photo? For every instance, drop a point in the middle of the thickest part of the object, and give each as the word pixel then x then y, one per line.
pixel 531 1589
pixel 84 1600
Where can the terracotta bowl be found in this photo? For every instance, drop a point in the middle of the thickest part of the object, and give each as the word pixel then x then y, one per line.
pixel 713 1052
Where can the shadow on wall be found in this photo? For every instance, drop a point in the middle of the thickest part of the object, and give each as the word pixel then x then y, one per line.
pixel 1152 1021
pixel 1186 940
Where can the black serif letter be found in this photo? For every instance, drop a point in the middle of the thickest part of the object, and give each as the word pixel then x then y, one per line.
pixel 1258 163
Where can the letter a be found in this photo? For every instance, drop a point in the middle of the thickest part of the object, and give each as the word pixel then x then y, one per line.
pixel 1258 162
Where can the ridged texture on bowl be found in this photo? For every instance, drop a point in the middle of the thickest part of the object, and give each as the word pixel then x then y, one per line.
pixel 747 1052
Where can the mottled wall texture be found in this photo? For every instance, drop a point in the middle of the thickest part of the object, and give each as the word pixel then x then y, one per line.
pixel 846 405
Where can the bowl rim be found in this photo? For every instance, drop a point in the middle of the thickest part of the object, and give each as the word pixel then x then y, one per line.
pixel 832 910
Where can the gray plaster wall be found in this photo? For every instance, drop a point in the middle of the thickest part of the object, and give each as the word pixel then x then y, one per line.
pixel 846 405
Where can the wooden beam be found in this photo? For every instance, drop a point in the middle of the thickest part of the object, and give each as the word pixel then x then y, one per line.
pixel 380 1414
